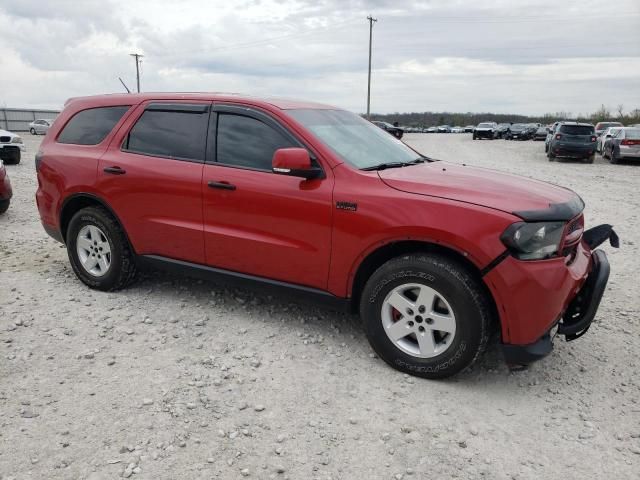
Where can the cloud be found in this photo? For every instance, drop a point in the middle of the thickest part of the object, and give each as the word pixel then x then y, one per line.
pixel 524 57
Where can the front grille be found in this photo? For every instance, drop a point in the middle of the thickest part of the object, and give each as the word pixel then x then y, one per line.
pixel 5 139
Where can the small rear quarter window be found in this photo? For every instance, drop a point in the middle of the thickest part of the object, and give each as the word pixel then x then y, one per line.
pixel 90 127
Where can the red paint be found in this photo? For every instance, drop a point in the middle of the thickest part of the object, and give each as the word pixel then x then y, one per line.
pixel 5 185
pixel 288 228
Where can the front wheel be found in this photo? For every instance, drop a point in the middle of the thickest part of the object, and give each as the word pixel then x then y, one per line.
pixel 426 315
pixel 4 205
pixel 99 251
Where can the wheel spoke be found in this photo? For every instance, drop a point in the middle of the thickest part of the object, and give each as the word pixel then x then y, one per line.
pixel 90 263
pixel 84 243
pixel 426 343
pixel 95 234
pixel 104 265
pixel 399 329
pixel 442 322
pixel 400 303
pixel 426 297
pixel 105 247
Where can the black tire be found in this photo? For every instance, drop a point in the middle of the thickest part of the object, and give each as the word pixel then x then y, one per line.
pixel 123 262
pixel 4 205
pixel 589 159
pixel 32 131
pixel 465 295
pixel 13 156
pixel 612 156
pixel 550 154
pixel 475 138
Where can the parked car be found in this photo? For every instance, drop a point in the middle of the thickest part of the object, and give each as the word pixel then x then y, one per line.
pixel 444 129
pixel 606 137
pixel 5 189
pixel 573 140
pixel 11 147
pixel 519 131
pixel 313 199
pixel 432 129
pixel 503 129
pixel 625 145
pixel 485 130
pixel 541 133
pixel 397 132
pixel 552 132
pixel 602 127
pixel 457 130
pixel 40 126
pixel 469 129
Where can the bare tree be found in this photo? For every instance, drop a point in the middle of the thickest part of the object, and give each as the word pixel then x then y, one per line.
pixel 620 111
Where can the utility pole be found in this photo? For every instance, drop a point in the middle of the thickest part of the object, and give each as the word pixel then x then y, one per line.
pixel 371 21
pixel 137 56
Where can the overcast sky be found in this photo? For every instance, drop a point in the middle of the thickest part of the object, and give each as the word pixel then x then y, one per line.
pixel 505 56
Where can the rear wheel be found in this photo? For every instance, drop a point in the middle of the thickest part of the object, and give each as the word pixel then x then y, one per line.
pixel 550 154
pixel 99 251
pixel 32 131
pixel 426 315
pixel 4 205
pixel 589 159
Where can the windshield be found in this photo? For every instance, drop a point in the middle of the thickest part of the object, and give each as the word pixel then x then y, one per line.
pixel 518 126
pixel 357 141
pixel 485 125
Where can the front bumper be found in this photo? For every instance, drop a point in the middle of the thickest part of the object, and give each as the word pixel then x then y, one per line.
pixel 576 319
pixel 19 146
pixel 483 133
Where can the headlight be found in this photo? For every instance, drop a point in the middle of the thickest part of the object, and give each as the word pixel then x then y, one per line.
pixel 533 241
pixel 16 140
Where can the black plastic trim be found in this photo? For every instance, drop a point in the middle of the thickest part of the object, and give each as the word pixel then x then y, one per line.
pixel 557 212
pixel 583 308
pixel 494 263
pixel 179 107
pixel 53 233
pixel 526 354
pixel 301 292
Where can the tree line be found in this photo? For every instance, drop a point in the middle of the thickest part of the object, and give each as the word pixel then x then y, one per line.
pixel 428 119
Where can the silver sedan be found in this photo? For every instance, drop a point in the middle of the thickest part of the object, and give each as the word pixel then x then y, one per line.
pixel 40 126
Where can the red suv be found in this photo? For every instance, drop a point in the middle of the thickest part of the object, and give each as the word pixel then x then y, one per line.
pixel 434 256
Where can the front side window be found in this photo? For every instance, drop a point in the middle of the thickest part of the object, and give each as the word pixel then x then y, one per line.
pixel 357 141
pixel 172 134
pixel 90 127
pixel 247 142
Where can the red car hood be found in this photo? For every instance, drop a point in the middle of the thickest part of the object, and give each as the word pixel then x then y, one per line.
pixel 489 188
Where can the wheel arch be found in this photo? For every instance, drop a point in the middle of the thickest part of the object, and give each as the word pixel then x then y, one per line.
pixel 77 202
pixel 384 253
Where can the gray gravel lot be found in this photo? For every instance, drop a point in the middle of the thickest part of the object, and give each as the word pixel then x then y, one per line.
pixel 177 378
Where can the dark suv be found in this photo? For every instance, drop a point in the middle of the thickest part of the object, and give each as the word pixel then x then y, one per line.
pixel 316 200
pixel 573 140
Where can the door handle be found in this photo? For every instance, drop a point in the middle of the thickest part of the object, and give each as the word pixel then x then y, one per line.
pixel 222 185
pixel 115 170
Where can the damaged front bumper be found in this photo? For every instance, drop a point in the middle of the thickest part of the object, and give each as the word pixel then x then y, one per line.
pixel 581 311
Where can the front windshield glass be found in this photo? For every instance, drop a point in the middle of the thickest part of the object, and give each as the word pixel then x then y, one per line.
pixel 485 125
pixel 357 141
pixel 518 125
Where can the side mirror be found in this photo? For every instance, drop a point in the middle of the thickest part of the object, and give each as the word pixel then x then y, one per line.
pixel 608 135
pixel 294 162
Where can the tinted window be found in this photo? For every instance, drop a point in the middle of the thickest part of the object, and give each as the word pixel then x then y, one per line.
pixel 577 129
pixel 247 142
pixel 172 134
pixel 89 127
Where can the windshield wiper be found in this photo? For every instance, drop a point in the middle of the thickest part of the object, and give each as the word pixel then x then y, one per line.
pixel 384 166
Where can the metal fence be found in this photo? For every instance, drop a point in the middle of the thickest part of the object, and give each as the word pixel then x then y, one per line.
pixel 18 119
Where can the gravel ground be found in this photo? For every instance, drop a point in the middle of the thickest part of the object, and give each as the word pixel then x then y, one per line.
pixel 177 378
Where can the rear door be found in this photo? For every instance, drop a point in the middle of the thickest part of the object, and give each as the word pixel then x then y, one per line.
pixel 151 175
pixel 257 222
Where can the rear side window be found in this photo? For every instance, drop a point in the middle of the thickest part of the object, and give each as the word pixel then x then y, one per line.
pixel 247 142
pixel 90 127
pixel 577 129
pixel 170 133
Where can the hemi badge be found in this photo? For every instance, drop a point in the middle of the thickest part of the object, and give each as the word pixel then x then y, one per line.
pixel 347 206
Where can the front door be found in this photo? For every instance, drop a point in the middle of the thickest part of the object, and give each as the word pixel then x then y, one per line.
pixel 257 222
